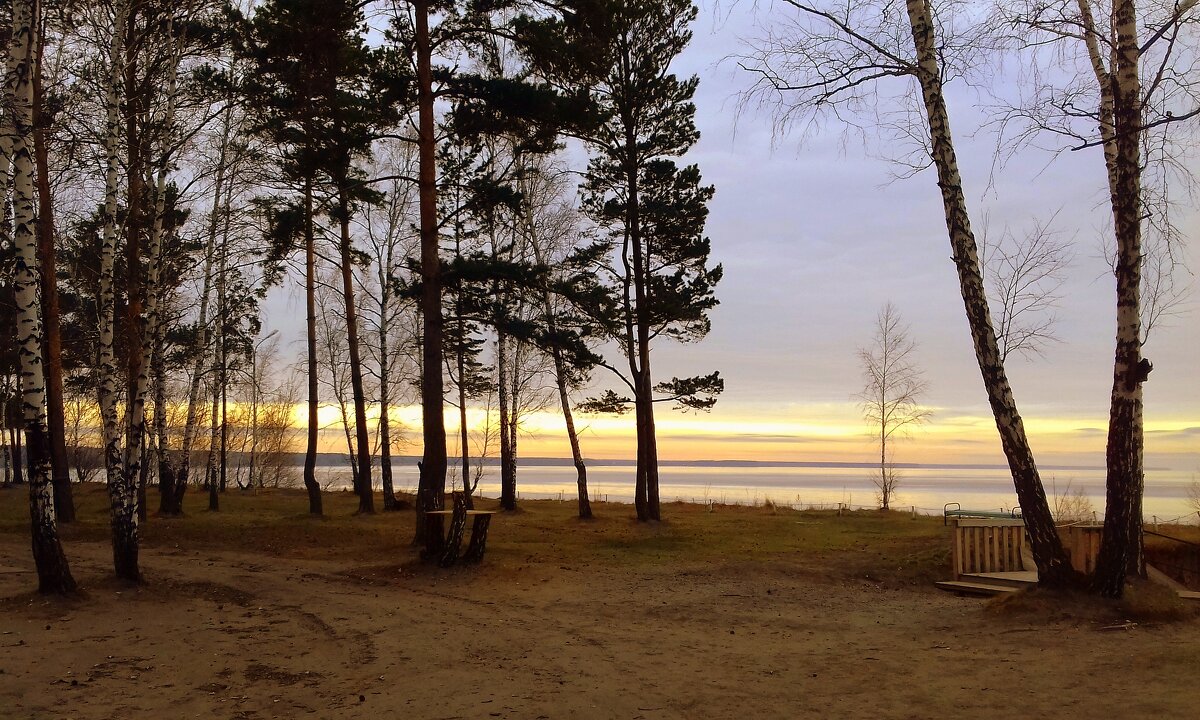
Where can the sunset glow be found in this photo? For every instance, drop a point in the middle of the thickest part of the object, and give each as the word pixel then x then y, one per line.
pixel 819 433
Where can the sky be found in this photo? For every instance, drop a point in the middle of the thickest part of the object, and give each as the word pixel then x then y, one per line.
pixel 815 237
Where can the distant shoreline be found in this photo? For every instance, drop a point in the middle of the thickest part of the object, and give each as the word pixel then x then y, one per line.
pixel 331 459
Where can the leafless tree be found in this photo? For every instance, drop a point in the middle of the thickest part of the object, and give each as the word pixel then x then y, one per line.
pixel 890 399
pixel 829 59
pixel 390 240
pixel 335 375
pixel 83 440
pixel 1124 81
pixel 1024 276
pixel 1072 505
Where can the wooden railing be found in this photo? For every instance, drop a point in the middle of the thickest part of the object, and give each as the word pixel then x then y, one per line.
pixel 1082 543
pixel 987 545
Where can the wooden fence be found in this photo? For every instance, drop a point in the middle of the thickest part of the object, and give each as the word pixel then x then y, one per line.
pixel 1082 543
pixel 990 545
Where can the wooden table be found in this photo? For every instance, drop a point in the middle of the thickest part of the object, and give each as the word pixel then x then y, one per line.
pixel 444 546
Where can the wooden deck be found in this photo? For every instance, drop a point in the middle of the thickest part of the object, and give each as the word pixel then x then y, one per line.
pixel 990 583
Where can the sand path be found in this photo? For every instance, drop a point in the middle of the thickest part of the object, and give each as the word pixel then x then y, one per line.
pixel 227 635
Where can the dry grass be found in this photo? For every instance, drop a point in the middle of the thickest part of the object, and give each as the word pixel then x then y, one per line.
pixel 882 548
pixel 871 547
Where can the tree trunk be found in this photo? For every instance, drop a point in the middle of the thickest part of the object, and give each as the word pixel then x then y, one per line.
pixel 224 462
pixel 139 286
pixel 585 502
pixel 433 475
pixel 6 456
pixel 462 410
pixel 508 480
pixel 1120 547
pixel 143 477
pixel 385 435
pixel 637 324
pixel 1054 569
pixel 152 327
pixel 885 488
pixel 310 300
pixel 172 497
pixel 54 574
pixel 166 469
pixel 210 470
pixel 366 494
pixel 18 451
pixel 122 490
pixel 64 503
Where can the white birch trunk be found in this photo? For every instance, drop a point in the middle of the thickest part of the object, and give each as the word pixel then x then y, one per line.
pixel 121 484
pixel 54 574
pixel 1052 563
pixel 151 330
pixel 1120 549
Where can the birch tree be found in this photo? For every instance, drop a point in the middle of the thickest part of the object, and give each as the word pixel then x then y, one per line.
pixel 121 478
pixel 52 342
pixel 891 395
pixel 1125 84
pixel 652 212
pixel 54 574
pixel 387 230
pixel 552 228
pixel 830 57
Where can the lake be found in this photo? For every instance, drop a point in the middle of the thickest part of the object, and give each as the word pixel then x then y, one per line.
pixel 927 489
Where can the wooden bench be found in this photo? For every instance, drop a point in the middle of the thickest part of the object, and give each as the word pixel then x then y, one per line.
pixel 957 512
pixel 445 546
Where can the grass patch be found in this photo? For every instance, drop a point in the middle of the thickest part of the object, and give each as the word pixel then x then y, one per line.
pixel 889 548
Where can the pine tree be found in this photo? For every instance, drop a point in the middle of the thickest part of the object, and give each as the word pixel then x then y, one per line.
pixel 655 254
pixel 315 91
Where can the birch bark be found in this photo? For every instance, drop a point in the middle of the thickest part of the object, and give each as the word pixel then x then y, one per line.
pixel 54 574
pixel 1120 548
pixel 122 487
pixel 64 502
pixel 151 322
pixel 1053 565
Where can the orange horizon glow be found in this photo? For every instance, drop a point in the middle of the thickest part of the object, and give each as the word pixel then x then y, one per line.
pixel 796 433
pixel 829 433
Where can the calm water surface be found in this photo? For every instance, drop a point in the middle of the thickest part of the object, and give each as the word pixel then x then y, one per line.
pixel 926 489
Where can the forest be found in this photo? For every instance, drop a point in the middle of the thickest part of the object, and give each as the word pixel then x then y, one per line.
pixel 488 206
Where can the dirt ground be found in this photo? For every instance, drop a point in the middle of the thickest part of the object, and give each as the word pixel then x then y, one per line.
pixel 221 634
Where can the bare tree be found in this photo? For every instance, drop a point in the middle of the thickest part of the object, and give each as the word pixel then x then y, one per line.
pixel 336 376
pixel 890 399
pixel 387 229
pixel 828 60
pixel 1024 276
pixel 552 226
pixel 83 443
pixel 1123 82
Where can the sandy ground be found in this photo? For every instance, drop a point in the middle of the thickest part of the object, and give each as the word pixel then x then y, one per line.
pixel 224 635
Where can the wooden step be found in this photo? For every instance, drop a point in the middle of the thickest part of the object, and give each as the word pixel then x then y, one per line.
pixel 1018 580
pixel 1189 595
pixel 974 588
